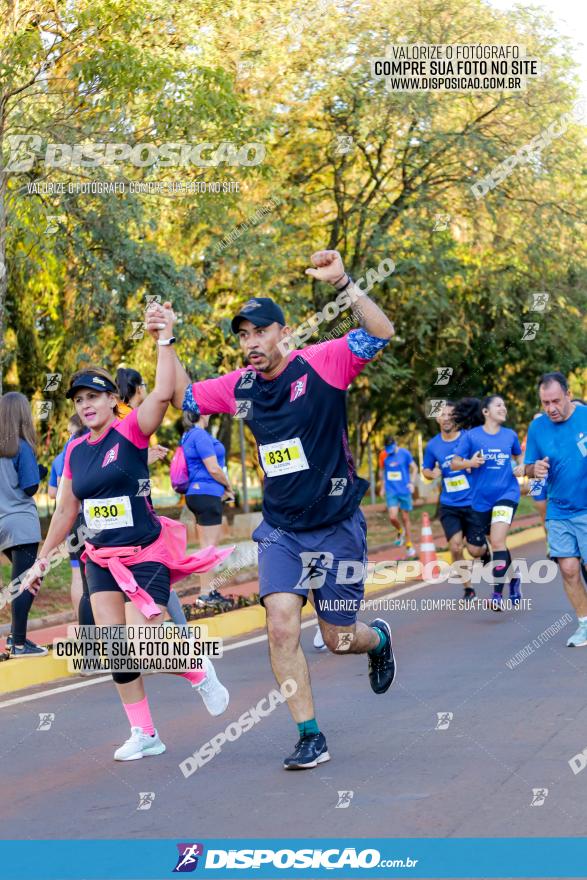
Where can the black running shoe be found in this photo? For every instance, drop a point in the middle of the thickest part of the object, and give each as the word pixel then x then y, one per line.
pixel 29 649
pixel 469 594
pixel 310 750
pixel 382 666
pixel 212 598
pixel 27 642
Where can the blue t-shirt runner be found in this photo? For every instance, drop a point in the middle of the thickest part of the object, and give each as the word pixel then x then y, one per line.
pixel 494 480
pixel 199 444
pixel 396 470
pixel 565 445
pixel 456 487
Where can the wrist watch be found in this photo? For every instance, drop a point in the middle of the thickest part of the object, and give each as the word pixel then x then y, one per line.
pixel 169 341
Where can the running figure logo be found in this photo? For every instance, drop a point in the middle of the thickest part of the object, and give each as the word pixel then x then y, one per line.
pixel 144 487
pixel 434 408
pixel 146 799
pixel 539 302
pixel 530 331
pixel 243 409
pixel 44 407
pixel 344 144
pixel 151 298
pixel 338 485
pixel 444 374
pixel 53 380
pixel 343 643
pixel 111 455
pixel 344 799
pixel 246 380
pixel 138 330
pixel 46 719
pixel 314 570
pixel 441 222
pixel 444 719
pixel 298 387
pixel 539 795
pixel 188 857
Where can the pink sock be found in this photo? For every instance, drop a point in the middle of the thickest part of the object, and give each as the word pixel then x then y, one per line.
pixel 195 676
pixel 139 715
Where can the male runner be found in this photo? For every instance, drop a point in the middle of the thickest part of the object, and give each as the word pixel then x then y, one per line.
pixel 295 405
pixel 455 494
pixel 557 451
pixel 397 475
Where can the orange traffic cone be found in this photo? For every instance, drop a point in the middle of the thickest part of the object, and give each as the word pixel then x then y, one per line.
pixel 427 546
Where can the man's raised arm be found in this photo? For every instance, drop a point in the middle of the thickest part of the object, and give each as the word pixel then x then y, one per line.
pixel 330 268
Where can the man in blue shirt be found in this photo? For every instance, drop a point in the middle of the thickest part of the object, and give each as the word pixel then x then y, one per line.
pixel 455 492
pixel 557 451
pixel 397 473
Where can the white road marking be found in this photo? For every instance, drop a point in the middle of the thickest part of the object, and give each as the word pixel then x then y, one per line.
pixel 242 644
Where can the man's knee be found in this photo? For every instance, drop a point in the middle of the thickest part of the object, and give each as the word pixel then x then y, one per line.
pixel 569 566
pixel 283 629
pixel 455 545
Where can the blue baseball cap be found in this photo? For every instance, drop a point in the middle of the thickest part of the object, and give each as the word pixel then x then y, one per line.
pixel 260 311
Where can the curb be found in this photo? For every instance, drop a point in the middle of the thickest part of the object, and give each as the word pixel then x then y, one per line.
pixel 27 673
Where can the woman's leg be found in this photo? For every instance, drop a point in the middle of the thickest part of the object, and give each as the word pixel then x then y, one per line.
pixel 108 610
pixel 213 693
pixel 75 589
pixel 22 557
pixel 175 610
pixel 500 554
pixel 208 536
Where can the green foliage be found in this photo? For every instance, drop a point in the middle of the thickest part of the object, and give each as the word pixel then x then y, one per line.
pixel 297 78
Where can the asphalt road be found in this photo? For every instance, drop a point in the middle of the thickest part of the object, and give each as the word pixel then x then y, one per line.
pixel 512 730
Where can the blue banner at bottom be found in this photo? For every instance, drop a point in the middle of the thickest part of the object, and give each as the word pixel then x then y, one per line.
pixel 299 857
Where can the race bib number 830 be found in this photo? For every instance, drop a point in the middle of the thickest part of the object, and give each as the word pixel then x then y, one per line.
pixel 108 513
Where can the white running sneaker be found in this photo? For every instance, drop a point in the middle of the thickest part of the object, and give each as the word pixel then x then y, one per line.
pixel 139 744
pixel 319 641
pixel 213 693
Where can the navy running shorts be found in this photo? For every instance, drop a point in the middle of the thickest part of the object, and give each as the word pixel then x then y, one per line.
pixel 330 561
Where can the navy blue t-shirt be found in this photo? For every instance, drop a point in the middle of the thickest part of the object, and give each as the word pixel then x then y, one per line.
pixel 110 476
pixel 456 487
pixel 299 422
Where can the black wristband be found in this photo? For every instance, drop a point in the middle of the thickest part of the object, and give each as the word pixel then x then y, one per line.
pixel 344 287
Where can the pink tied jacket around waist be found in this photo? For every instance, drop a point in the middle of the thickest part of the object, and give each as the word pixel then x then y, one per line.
pixel 169 549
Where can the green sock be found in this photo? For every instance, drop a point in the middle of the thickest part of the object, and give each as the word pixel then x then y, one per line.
pixel 308 728
pixel 382 641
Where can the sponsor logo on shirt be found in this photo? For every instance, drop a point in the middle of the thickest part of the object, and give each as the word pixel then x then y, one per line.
pixel 298 387
pixel 111 455
pixel 497 456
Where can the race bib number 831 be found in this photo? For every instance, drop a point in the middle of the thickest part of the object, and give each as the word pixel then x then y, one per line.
pixel 285 457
